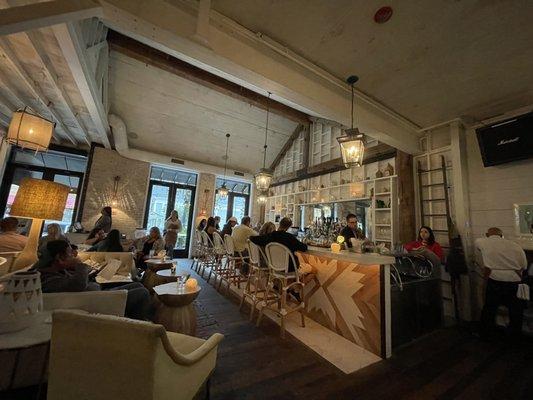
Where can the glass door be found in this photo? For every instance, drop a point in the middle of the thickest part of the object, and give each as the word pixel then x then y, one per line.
pixel 162 199
pixel 239 206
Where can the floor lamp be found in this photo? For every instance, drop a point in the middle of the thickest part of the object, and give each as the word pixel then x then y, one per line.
pixel 39 200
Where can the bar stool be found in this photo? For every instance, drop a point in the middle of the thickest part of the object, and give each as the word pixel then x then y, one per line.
pixel 219 251
pixel 255 287
pixel 196 250
pixel 278 257
pixel 229 272
pixel 208 257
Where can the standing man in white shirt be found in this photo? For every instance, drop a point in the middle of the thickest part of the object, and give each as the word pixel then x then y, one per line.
pixel 504 262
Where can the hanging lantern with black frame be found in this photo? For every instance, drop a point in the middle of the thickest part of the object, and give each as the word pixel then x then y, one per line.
pixel 223 191
pixel 352 143
pixel 263 178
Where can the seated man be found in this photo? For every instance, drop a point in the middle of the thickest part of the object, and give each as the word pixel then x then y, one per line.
pixel 61 271
pixel 10 239
pixel 351 230
pixel 241 233
pixel 283 237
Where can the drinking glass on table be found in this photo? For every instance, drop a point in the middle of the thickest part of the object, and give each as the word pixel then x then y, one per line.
pixel 151 253
pixel 173 268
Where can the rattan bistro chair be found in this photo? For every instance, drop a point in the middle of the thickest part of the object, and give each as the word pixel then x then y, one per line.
pixel 255 287
pixel 208 254
pixel 219 252
pixel 278 257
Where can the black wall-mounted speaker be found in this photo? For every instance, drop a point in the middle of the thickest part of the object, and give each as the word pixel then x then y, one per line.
pixel 506 141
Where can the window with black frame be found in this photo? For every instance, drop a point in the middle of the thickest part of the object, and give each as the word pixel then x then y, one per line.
pixel 58 166
pixel 236 204
pixel 169 190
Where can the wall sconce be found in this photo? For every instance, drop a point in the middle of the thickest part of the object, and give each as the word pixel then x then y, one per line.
pixel 114 197
pixel 203 211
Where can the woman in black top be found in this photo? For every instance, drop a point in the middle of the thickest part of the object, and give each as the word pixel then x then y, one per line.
pixel 210 227
pixel 110 244
pixel 105 221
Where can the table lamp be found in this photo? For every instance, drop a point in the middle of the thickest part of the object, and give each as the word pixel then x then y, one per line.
pixel 39 200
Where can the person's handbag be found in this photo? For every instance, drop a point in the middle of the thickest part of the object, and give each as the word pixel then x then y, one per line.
pixel 523 291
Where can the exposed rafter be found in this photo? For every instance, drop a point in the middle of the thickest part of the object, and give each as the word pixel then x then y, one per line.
pixel 287 145
pixel 69 39
pixel 40 98
pixel 52 76
pixel 156 58
pixel 39 15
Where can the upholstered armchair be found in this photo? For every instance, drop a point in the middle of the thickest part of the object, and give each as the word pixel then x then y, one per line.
pixel 101 357
pixel 110 302
pixel 127 266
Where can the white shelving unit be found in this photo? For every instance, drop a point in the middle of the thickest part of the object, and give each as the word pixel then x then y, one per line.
pixel 346 185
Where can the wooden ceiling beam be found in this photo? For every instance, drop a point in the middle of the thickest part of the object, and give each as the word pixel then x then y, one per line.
pixel 148 55
pixel 51 74
pixel 376 153
pixel 287 145
pixel 39 101
pixel 73 49
pixel 40 15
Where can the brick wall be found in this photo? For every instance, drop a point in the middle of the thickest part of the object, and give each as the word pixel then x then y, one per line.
pixel 131 193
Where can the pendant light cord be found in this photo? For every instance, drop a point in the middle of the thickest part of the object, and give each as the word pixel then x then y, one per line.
pixel 226 158
pixel 352 105
pixel 266 133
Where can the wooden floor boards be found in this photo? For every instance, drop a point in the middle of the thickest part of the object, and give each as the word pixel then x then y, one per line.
pixel 255 363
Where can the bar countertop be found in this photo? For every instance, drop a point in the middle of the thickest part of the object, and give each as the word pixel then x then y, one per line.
pixel 345 255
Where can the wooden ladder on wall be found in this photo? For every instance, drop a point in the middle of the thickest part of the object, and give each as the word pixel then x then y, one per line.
pixel 426 218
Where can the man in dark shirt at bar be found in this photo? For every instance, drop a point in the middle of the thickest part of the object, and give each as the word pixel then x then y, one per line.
pixel 351 230
pixel 283 237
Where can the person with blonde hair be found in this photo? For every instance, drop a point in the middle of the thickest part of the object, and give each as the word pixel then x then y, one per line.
pixel 172 228
pixel 267 227
pixel 53 232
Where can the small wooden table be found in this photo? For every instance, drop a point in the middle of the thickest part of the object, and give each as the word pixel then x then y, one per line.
pixel 150 275
pixel 176 311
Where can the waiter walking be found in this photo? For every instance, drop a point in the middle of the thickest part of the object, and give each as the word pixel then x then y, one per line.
pixel 504 262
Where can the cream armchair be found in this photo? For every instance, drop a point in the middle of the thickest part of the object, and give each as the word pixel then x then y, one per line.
pixel 109 302
pixel 103 357
pixel 127 267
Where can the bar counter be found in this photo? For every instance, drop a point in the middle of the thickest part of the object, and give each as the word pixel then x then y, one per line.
pixel 350 295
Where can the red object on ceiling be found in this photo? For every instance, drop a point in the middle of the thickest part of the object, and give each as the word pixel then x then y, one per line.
pixel 383 15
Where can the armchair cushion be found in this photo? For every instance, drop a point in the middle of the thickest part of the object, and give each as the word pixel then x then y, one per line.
pixel 111 302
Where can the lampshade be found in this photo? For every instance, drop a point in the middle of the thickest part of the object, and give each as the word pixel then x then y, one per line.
pixel 352 148
pixel 30 131
pixel 40 199
pixel 263 180
pixel 262 198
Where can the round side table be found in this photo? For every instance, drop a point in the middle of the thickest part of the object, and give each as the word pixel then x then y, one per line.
pixel 176 311
pixel 34 342
pixel 150 275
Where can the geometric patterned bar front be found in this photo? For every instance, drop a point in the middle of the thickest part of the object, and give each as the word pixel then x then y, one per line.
pixel 345 297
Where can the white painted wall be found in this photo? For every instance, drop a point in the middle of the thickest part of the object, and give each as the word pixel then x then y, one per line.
pixel 494 190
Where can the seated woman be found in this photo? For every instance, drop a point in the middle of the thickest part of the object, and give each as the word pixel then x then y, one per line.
pixel 110 244
pixel 425 242
pixel 210 228
pixel 202 224
pixel 154 243
pixel 95 236
pixel 61 271
pixel 268 227
pixel 53 232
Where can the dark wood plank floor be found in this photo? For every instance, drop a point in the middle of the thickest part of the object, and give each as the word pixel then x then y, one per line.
pixel 254 363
